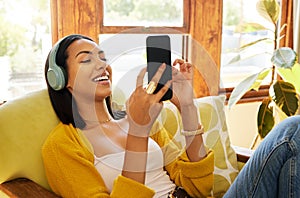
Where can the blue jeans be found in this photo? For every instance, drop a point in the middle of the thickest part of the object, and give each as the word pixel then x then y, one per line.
pixel 274 168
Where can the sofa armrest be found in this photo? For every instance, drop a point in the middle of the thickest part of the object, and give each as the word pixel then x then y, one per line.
pixel 243 154
pixel 25 188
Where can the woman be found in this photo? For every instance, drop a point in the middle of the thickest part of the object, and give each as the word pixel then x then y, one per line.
pixel 90 154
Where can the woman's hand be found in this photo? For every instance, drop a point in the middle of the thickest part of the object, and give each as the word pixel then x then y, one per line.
pixel 182 84
pixel 143 108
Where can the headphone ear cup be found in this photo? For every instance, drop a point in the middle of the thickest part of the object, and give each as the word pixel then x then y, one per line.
pixel 56 77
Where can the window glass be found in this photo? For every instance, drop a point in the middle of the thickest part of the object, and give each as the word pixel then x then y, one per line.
pixel 126 53
pixel 25 41
pixel 143 13
pixel 242 24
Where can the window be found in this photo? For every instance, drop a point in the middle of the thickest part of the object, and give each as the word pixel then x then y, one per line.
pixel 143 13
pixel 242 25
pixel 25 41
pixel 126 24
pixel 145 16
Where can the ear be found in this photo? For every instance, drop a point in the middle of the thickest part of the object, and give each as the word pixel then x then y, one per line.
pixel 69 87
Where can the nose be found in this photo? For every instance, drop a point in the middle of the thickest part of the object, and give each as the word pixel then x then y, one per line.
pixel 100 64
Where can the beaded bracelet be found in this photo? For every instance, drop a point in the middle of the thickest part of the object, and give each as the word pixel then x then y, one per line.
pixel 198 131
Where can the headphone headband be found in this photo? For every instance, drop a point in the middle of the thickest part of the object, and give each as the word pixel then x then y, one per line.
pixel 55 74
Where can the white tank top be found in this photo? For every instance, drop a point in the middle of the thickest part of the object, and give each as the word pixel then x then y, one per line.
pixel 110 167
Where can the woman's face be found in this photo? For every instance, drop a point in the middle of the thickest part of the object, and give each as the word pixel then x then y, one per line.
pixel 89 78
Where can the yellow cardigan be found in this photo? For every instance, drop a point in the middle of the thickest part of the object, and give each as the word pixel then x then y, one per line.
pixel 69 165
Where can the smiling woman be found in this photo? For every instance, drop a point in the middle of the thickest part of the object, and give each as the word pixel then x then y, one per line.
pixel 108 153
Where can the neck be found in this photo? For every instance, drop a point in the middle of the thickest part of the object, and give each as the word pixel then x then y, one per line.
pixel 94 112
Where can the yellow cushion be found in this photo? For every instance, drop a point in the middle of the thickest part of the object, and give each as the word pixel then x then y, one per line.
pixel 212 116
pixel 24 125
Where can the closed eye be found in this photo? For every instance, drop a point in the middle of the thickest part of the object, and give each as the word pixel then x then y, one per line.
pixel 85 61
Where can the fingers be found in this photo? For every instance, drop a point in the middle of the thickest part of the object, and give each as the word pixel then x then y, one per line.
pixel 159 73
pixel 174 71
pixel 162 91
pixel 178 61
pixel 183 66
pixel 140 77
pixel 152 84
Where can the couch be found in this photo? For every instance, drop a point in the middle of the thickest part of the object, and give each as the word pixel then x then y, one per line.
pixel 25 123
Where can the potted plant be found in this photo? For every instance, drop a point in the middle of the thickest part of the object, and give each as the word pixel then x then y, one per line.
pixel 283 91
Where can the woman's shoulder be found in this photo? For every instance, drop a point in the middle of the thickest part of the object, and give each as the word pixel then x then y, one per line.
pixel 66 136
pixel 62 130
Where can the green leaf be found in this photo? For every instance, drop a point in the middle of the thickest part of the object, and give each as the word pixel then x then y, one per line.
pixel 245 27
pixel 279 114
pixel 253 43
pixel 244 47
pixel 291 75
pixel 284 57
pixel 251 82
pixel 235 59
pixel 269 9
pixel 285 96
pixel 265 119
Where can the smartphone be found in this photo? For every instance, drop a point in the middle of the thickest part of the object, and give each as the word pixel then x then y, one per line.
pixel 158 50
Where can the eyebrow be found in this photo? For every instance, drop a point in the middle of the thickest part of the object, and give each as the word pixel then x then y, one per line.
pixel 86 52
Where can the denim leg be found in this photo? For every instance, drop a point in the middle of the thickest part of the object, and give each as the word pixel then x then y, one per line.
pixel 274 168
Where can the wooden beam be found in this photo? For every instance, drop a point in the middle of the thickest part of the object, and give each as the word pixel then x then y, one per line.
pixel 75 17
pixel 22 187
pixel 206 33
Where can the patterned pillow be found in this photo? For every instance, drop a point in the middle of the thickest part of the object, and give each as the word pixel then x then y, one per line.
pixel 212 116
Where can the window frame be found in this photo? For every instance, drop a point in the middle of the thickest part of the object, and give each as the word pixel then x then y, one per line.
pixel 141 29
pixel 202 21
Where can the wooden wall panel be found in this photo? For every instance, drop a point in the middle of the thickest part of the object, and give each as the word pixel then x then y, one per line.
pixel 206 32
pixel 287 19
pixel 75 17
pixel 206 25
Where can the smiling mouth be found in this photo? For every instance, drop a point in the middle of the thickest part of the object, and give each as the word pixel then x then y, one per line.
pixel 101 78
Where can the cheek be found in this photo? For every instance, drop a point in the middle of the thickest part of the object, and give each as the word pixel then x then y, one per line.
pixel 72 73
pixel 77 76
pixel 82 84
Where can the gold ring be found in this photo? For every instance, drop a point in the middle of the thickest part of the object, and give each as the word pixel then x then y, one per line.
pixel 151 87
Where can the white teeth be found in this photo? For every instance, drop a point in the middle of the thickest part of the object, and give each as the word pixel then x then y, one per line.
pixel 100 78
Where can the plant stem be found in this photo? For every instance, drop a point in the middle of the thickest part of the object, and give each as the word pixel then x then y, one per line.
pixel 276 44
pixel 254 142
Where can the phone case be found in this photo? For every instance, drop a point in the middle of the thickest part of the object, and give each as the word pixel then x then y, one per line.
pixel 158 52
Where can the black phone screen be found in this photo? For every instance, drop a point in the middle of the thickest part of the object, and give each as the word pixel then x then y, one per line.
pixel 158 52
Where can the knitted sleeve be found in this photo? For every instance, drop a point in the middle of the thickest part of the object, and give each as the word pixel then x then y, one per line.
pixel 70 169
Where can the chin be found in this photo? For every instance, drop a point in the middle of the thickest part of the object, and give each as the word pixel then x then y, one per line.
pixel 102 94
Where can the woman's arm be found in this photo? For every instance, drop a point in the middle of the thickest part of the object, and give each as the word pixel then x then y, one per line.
pixel 135 158
pixel 194 143
pixel 183 100
pixel 142 110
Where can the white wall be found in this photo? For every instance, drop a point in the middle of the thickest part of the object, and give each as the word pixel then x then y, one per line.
pixel 242 124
